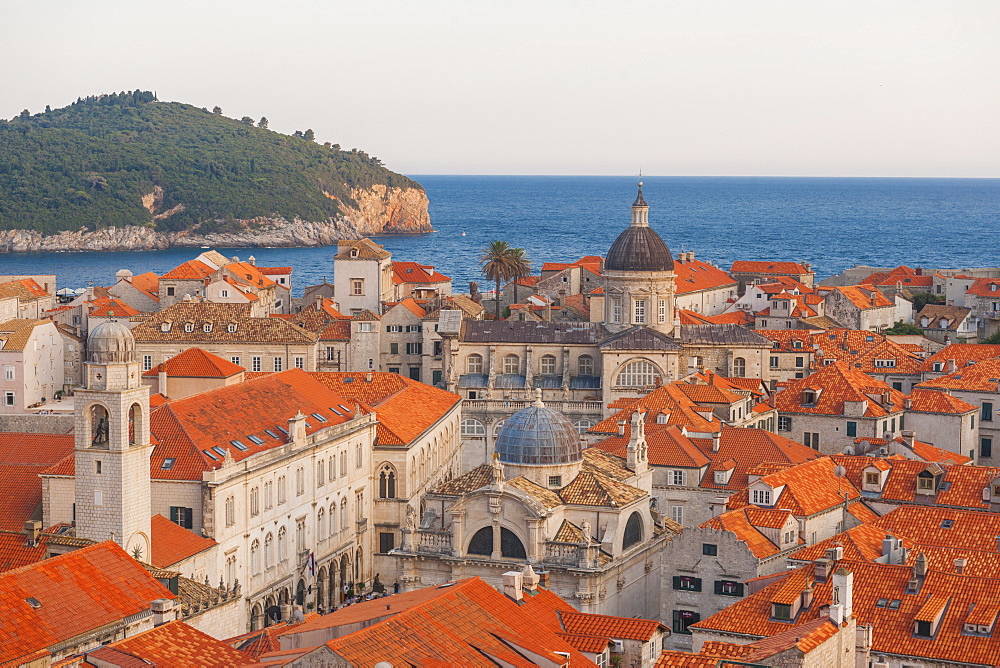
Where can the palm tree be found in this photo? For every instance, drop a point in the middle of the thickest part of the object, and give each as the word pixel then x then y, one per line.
pixel 496 263
pixel 520 266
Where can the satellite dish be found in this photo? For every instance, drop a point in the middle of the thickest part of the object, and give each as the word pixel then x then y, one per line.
pixel 839 471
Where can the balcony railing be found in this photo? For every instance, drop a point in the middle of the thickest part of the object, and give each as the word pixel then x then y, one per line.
pixel 564 554
pixel 434 542
pixel 514 405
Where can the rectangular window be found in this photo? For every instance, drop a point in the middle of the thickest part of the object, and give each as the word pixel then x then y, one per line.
pixel 98 497
pixel 147 364
pixel 300 362
pixel 414 373
pixel 616 310
pixel 800 362
pixel 871 478
pixel 414 348
pixel 781 611
pixel 784 423
pixel 364 327
pixel 386 541
pixel 677 514
pixel 255 363
pixel 393 348
pixel 709 549
pixel 774 362
pixel 224 293
pixel 677 477
pixel 761 497
pixel 640 311
pixel 278 363
pixel 394 369
pixel 728 588
pixel 235 359
pixel 182 516
pixel 97 467
pixel 811 440
pixel 852 429
pixel 357 287
pixel 8 399
pixel 687 583
pixel 683 619
pixel 661 310
pixel 331 354
pixel 986 447
pixel 987 415
pixel 170 291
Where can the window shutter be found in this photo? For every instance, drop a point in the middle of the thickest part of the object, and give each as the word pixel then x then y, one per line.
pixel 739 589
pixel 677 620
pixel 697 584
pixel 677 585
pixel 718 586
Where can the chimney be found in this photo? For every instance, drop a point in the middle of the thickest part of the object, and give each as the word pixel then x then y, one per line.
pixel 512 585
pixel 32 532
pixel 252 261
pixel 960 565
pixel 297 430
pixel 908 403
pixel 920 566
pixel 951 366
pixel 843 592
pixel 286 612
pixel 807 597
pixel 319 302
pixel 548 310
pixel 821 569
pixel 368 377
pixel 621 427
pixel 529 578
pixel 163 611
pixel 909 436
pixel 161 380
pixel 716 440
pixel 835 553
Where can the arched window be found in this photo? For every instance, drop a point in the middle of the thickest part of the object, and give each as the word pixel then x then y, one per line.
pixel 473 428
pixel 924 321
pixel 474 364
pixel 739 367
pixel 639 373
pixel 387 483
pixel 511 364
pixel 280 554
pixel 230 511
pixel 255 557
pixel 583 425
pixel 343 513
pixel 321 524
pixel 333 519
pixel 99 426
pixel 497 427
pixel 944 323
pixel 511 546
pixel 548 365
pixel 358 565
pixel 134 422
pixel 269 551
pixel 585 365
pixel 633 531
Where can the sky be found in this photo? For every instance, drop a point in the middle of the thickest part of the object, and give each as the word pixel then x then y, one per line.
pixel 700 87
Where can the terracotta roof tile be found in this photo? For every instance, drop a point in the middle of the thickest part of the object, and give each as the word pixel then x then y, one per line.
pixel 697 275
pixel 15 334
pixel 103 306
pixel 196 363
pixel 808 488
pixel 219 316
pixel 24 289
pixel 172 542
pixel 414 272
pixel 22 458
pixel 619 628
pixel 985 287
pixel 926 400
pixel 835 384
pixel 962 354
pixel 983 376
pixel 77 592
pixel 190 270
pixel 179 644
pixel 594 489
pixel 767 267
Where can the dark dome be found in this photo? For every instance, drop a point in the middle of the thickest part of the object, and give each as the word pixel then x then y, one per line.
pixel 540 436
pixel 639 248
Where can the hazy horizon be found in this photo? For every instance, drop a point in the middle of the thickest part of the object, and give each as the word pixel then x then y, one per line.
pixel 898 88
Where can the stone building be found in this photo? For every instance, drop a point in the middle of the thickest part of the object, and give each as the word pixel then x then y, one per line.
pixel 583 517
pixel 751 272
pixel 32 354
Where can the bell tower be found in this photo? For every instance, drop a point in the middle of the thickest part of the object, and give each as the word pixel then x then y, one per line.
pixel 112 446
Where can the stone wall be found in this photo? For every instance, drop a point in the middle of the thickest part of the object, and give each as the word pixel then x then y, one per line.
pixel 37 424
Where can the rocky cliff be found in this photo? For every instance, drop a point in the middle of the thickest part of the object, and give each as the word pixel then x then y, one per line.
pixel 380 210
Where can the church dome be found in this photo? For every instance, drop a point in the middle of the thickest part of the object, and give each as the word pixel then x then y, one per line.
pixel 537 435
pixel 111 343
pixel 639 247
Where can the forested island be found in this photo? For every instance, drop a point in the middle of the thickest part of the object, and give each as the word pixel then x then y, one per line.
pixel 125 170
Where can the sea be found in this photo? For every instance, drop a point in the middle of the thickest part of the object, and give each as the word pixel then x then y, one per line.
pixel 833 223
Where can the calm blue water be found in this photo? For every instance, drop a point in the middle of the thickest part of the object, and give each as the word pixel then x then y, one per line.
pixel 832 223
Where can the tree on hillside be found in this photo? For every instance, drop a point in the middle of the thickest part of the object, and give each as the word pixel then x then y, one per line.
pixel 496 263
pixel 246 120
pixel 217 110
pixel 310 135
pixel 262 123
pixel 520 267
pixel 921 299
